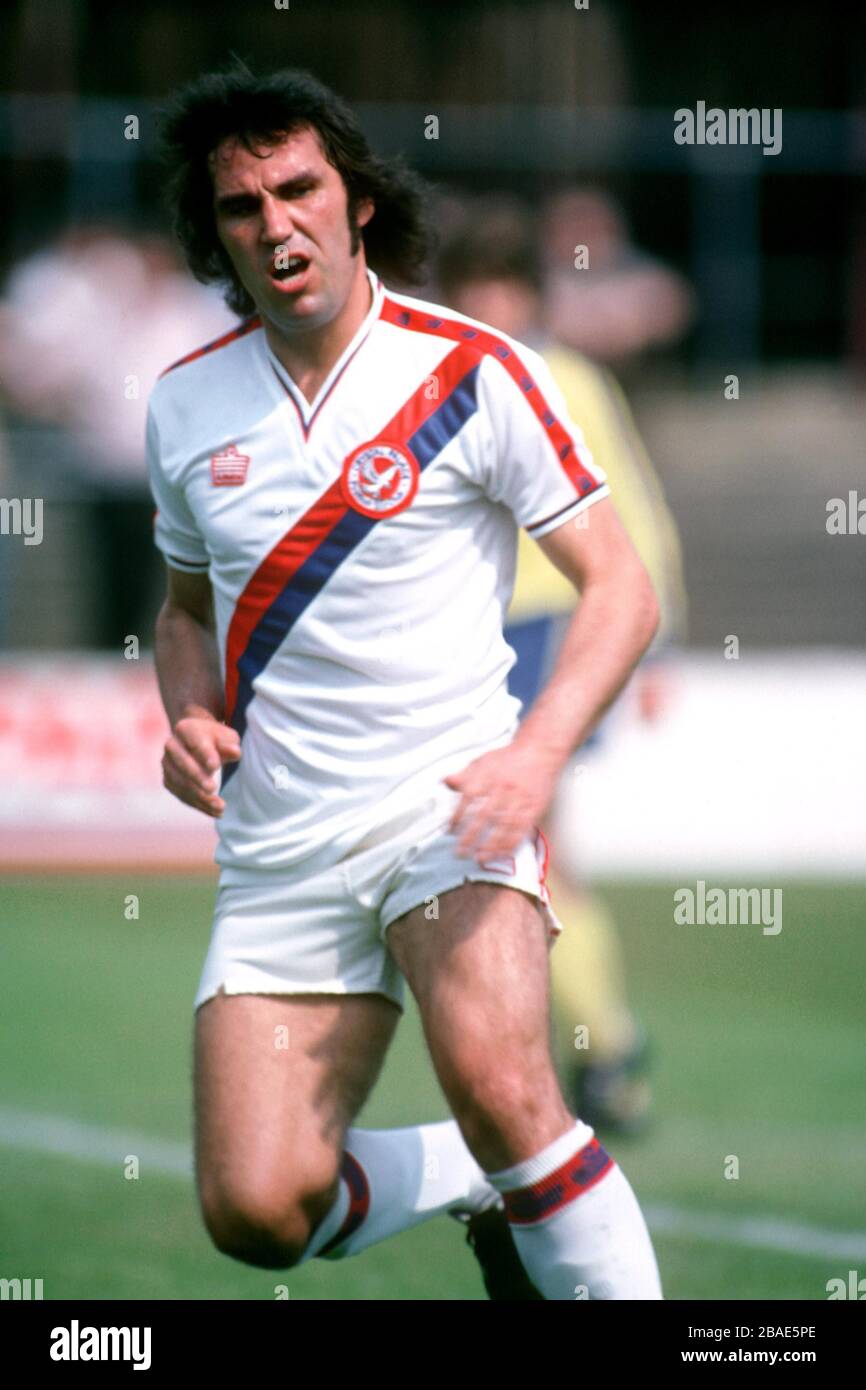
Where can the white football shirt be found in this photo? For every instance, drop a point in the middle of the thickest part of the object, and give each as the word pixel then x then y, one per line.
pixel 362 553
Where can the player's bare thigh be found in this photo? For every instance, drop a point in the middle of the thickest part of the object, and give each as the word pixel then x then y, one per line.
pixel 278 1080
pixel 480 974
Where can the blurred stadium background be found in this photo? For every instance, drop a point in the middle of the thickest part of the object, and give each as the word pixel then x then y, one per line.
pixel 719 261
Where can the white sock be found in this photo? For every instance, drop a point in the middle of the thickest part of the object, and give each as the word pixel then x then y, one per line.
pixel 392 1179
pixel 576 1223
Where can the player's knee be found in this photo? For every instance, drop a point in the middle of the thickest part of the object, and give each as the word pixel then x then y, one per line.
pixel 264 1227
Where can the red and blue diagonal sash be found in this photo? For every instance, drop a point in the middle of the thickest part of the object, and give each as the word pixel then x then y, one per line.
pixel 309 554
pixel 486 341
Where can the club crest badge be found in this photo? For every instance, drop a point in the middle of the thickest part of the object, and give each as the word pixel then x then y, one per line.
pixel 380 479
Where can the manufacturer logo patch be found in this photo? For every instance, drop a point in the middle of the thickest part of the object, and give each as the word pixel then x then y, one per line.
pixel 229 469
pixel 380 479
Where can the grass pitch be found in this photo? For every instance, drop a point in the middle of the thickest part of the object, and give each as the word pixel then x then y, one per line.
pixel 758 1045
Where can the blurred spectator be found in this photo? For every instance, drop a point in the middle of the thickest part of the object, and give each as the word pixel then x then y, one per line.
pixel 610 301
pixel 86 326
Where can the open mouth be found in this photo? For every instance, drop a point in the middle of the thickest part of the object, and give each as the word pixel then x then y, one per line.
pixel 294 269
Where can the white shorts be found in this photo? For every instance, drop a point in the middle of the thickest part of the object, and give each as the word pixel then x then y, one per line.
pixel 291 932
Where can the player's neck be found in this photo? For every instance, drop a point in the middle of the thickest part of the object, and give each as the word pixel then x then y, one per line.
pixel 309 357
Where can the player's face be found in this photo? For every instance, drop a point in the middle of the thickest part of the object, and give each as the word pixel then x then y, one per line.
pixel 282 216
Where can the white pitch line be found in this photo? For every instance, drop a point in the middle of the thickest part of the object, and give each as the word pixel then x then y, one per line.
pixel 67 1138
pixel 757 1232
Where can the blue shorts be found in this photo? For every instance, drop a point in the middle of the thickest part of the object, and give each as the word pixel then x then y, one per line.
pixel 536 642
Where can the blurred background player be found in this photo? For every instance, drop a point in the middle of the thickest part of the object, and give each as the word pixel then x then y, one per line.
pixel 490 268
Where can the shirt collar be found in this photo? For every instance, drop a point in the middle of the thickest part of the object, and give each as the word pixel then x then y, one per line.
pixel 308 408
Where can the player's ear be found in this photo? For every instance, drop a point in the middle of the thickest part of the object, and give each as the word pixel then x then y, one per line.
pixel 364 211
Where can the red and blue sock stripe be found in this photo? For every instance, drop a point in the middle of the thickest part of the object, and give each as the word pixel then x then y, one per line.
pixel 580 1172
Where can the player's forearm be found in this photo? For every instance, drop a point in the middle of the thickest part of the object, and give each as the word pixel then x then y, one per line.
pixel 609 632
pixel 187 665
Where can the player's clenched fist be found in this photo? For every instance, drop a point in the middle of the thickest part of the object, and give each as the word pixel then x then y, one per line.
pixel 196 750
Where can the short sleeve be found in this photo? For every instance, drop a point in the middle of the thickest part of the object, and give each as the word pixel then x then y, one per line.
pixel 175 531
pixel 540 466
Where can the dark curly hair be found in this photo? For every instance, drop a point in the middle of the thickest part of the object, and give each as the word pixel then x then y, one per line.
pixel 261 111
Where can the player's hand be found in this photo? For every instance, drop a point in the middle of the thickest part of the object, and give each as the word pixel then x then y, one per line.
pixel 504 795
pixel 655 693
pixel 196 750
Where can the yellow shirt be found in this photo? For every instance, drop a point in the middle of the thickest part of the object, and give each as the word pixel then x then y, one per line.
pixel 596 403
